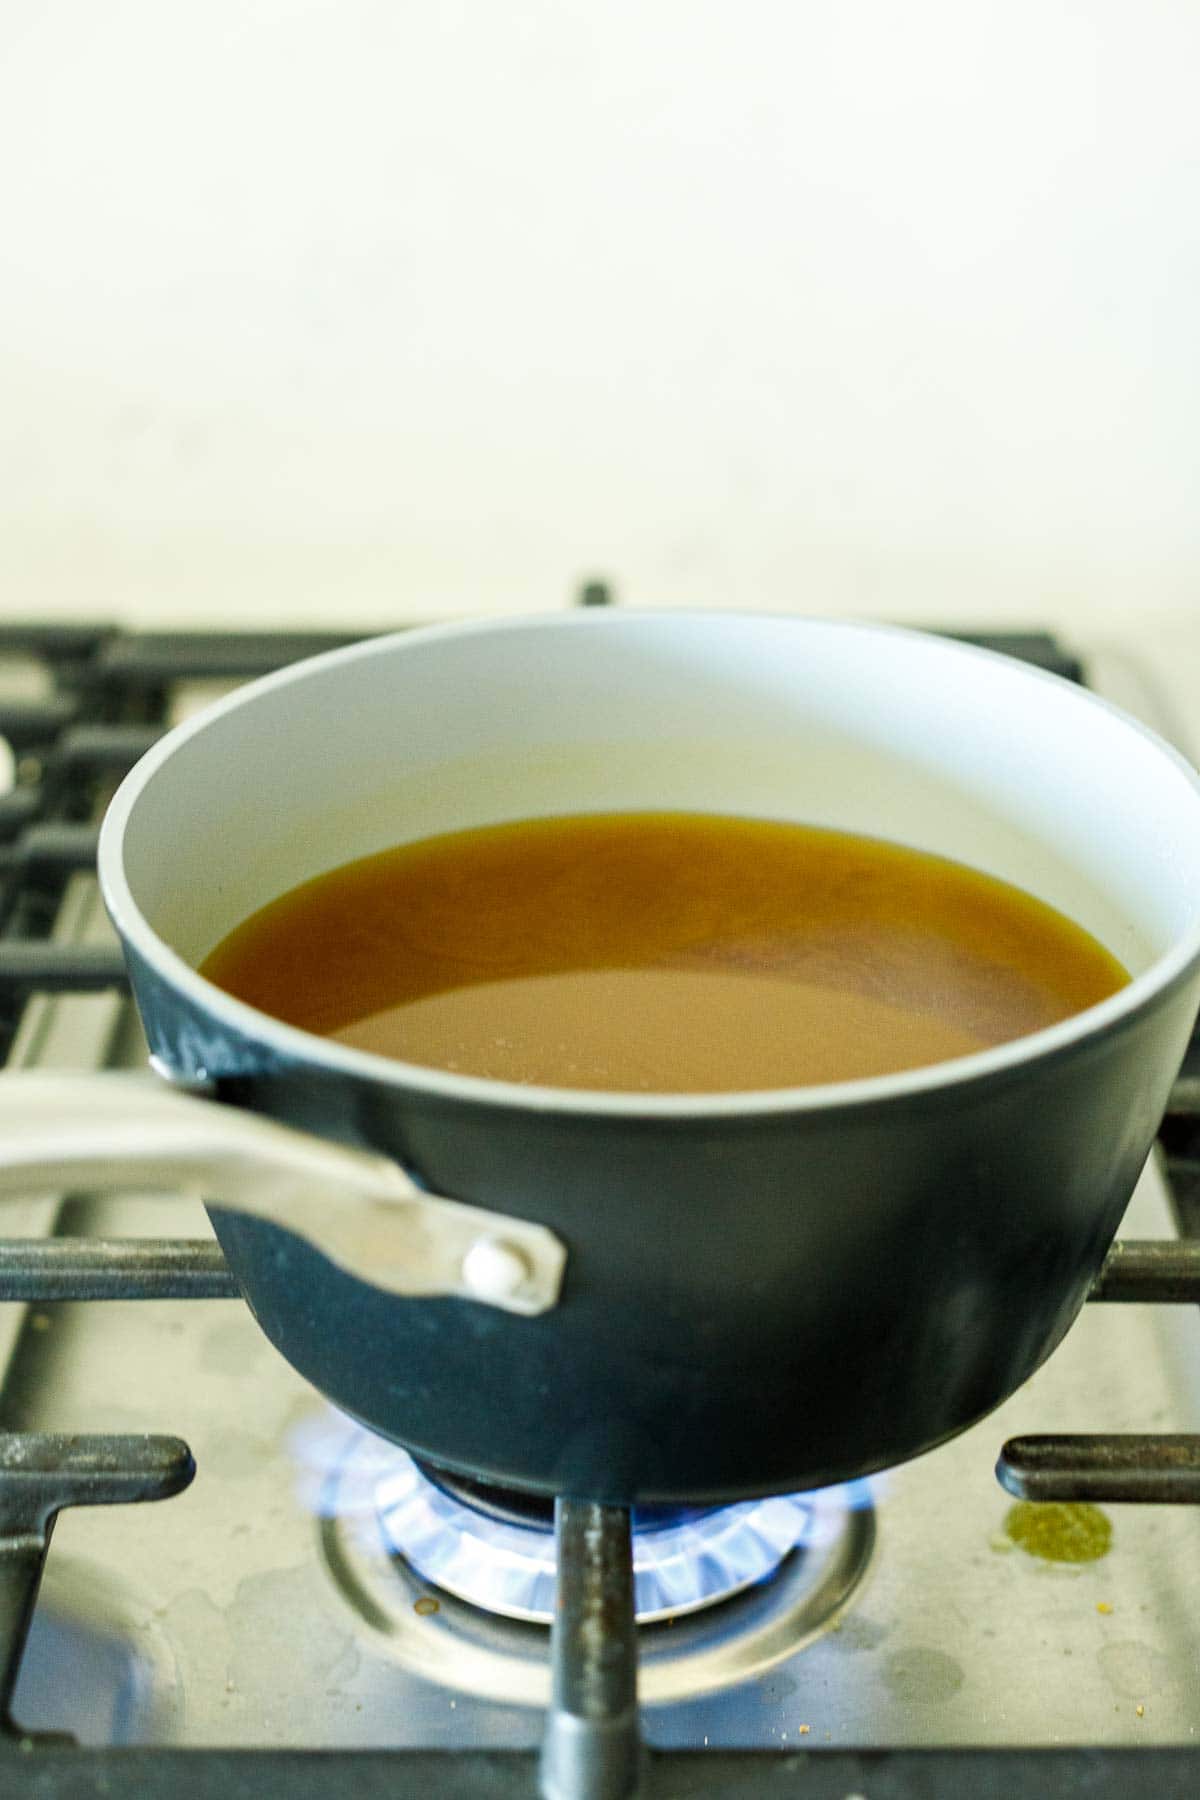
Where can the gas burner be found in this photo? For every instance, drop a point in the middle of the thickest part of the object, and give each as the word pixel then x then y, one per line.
pixel 494 1547
pixel 396 1544
pixel 495 1550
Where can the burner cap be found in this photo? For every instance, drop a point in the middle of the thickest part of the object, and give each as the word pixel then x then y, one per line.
pixel 513 1506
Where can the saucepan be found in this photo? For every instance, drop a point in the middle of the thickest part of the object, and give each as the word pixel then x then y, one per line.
pixel 653 1297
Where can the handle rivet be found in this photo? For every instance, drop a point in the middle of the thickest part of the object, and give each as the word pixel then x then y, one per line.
pixel 495 1269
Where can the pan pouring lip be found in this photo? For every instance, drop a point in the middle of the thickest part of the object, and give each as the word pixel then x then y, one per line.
pixel 399 1563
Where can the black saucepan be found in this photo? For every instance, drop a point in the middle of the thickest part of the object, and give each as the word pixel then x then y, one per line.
pixel 652 1298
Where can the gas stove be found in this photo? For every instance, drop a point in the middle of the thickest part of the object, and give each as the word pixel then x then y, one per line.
pixel 246 1592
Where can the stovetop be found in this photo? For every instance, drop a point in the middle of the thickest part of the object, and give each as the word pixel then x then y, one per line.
pixel 242 1616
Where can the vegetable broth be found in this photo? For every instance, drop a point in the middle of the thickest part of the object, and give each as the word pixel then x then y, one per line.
pixel 663 952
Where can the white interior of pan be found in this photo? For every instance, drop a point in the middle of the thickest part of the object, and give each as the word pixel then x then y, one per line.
pixel 929 744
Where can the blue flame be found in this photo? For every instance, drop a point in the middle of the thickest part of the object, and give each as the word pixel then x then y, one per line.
pixel 679 1566
pixel 510 1569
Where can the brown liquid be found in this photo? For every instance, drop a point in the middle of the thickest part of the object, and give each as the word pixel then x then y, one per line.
pixel 664 952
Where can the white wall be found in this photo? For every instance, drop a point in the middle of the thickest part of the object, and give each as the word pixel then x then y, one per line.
pixel 355 311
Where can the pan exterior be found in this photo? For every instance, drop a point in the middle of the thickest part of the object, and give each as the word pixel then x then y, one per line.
pixel 752 1303
pixel 764 1292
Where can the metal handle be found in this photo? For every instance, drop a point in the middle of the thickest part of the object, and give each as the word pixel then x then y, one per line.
pixel 94 1133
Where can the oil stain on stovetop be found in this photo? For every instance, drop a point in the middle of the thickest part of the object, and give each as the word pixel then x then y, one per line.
pixel 1058 1532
